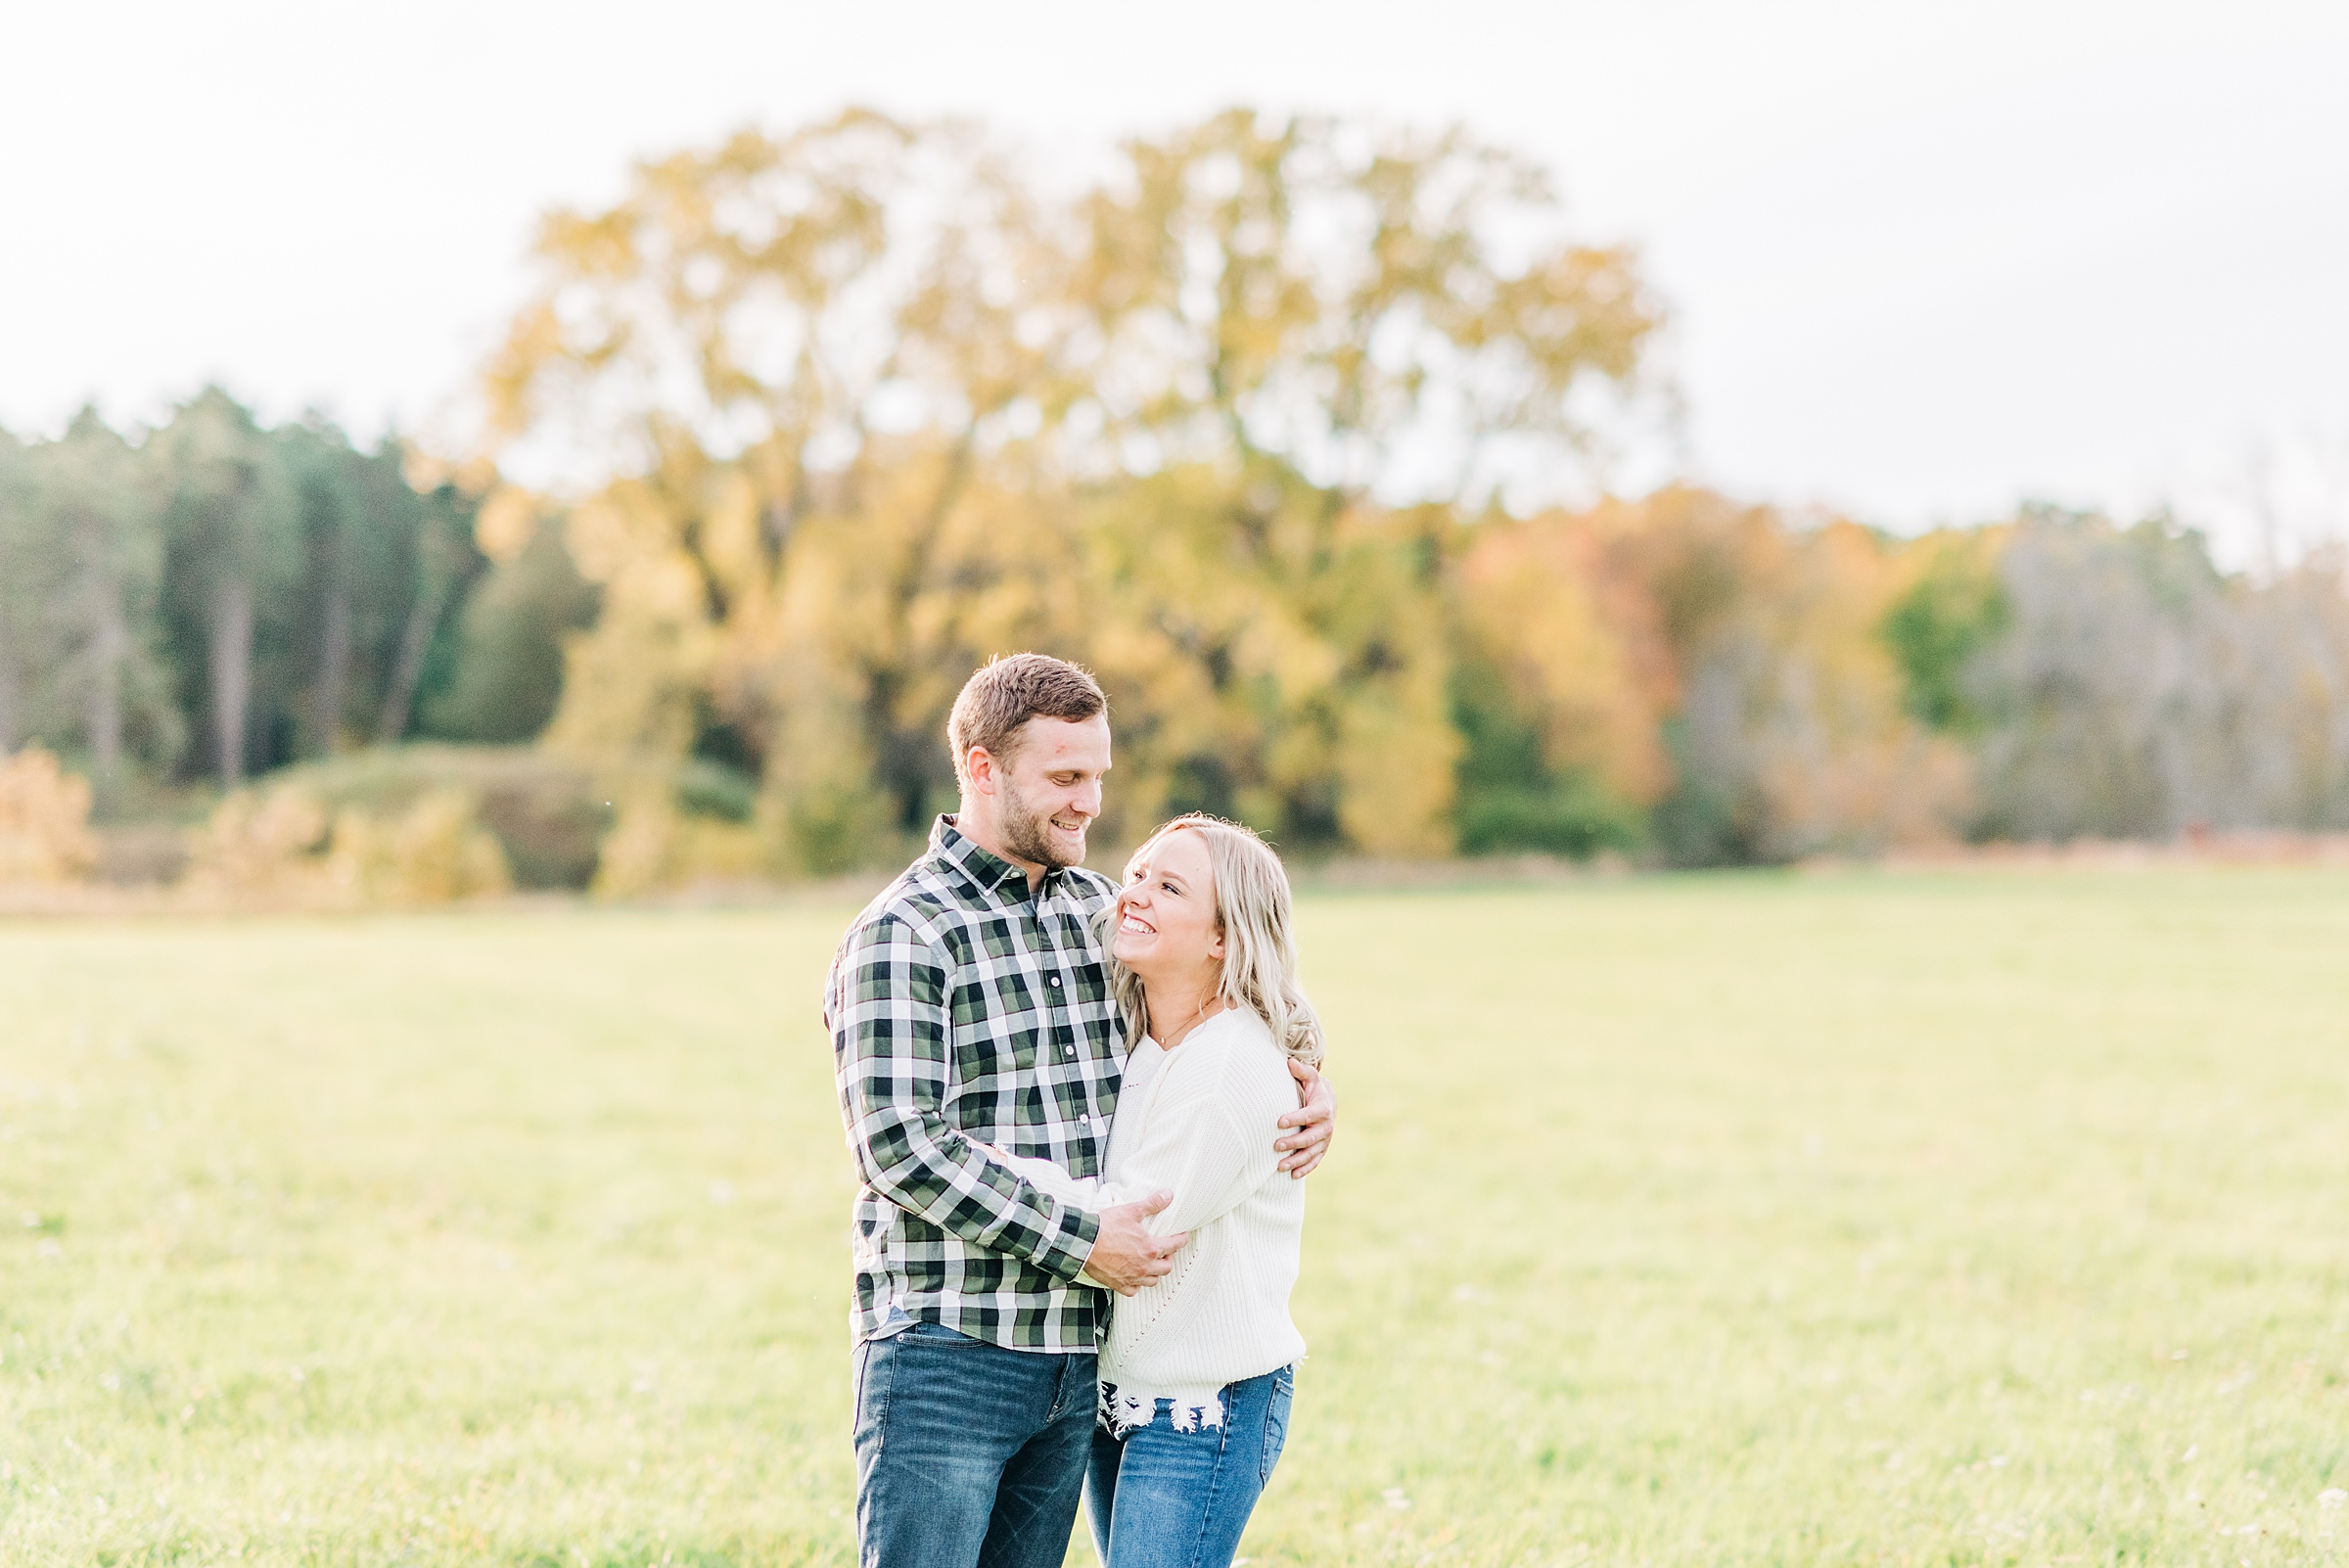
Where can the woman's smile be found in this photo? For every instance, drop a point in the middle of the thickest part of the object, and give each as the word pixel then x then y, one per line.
pixel 1166 930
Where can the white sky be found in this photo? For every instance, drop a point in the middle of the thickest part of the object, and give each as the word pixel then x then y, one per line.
pixel 1925 258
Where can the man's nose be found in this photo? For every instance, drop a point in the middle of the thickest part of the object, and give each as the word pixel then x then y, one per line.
pixel 1089 800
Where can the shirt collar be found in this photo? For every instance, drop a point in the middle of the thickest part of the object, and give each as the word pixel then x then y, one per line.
pixel 982 866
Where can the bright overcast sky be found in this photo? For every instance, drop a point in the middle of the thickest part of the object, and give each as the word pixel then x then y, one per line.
pixel 1924 258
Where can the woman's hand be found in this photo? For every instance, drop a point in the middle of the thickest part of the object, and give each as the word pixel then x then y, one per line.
pixel 1315 1120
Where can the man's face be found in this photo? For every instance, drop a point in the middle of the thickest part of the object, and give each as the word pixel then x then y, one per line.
pixel 1048 791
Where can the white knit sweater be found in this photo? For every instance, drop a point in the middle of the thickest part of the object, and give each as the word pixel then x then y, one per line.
pixel 1199 1120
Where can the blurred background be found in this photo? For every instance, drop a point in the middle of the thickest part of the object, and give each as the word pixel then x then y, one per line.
pixel 588 451
pixel 499 498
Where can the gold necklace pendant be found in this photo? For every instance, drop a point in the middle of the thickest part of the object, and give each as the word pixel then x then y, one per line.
pixel 1190 1024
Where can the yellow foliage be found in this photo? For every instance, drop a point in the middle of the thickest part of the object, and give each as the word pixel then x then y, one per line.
pixel 273 847
pixel 262 843
pixel 435 851
pixel 1529 596
pixel 44 821
pixel 1274 657
pixel 629 682
pixel 1394 772
pixel 505 522
pixel 1846 767
pixel 880 418
pixel 652 846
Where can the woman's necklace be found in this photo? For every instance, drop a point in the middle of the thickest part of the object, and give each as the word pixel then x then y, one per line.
pixel 1168 1042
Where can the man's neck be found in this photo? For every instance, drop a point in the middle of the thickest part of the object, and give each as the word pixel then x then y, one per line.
pixel 976 827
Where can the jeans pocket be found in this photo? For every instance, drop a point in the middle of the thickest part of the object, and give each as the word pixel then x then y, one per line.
pixel 924 1332
pixel 875 1380
pixel 1276 1422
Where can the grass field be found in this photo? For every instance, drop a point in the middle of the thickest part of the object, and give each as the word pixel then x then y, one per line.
pixel 1870 1218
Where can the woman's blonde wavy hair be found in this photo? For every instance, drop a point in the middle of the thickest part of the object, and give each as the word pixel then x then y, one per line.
pixel 1256 916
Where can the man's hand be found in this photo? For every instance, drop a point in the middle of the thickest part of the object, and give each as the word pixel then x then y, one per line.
pixel 1315 1119
pixel 1126 1256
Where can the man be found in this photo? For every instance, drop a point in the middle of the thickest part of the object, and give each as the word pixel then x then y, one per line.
pixel 970 1004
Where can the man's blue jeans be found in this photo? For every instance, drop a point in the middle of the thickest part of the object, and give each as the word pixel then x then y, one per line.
pixel 1163 1499
pixel 968 1456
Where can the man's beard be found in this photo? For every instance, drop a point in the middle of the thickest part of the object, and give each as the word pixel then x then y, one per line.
pixel 1027 832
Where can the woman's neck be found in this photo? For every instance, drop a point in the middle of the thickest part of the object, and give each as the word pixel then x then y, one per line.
pixel 1176 1006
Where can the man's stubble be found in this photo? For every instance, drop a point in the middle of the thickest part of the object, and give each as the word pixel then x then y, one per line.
pixel 1026 831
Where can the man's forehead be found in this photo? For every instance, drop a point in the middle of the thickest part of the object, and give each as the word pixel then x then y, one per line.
pixel 1059 743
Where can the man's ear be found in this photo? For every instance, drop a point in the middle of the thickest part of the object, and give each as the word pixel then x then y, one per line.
pixel 979 767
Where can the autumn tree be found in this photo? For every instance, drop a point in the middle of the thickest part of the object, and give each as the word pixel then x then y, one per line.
pixel 1310 337
pixel 1561 683
pixel 806 351
pixel 881 412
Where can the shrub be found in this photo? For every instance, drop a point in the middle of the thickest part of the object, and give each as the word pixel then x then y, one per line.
pixel 282 846
pixel 547 817
pixel 1560 820
pixel 261 844
pixel 44 821
pixel 435 851
pixel 654 846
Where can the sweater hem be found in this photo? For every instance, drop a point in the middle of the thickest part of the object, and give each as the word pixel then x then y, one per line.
pixel 1128 1408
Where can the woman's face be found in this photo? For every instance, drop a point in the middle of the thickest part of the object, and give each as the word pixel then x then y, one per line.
pixel 1166 910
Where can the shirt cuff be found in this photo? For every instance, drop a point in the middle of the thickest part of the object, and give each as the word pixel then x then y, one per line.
pixel 1064 1256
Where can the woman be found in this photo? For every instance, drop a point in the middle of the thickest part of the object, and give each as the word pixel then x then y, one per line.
pixel 1198 1368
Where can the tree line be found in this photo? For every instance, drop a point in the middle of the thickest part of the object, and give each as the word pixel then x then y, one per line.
pixel 1298 431
pixel 213 599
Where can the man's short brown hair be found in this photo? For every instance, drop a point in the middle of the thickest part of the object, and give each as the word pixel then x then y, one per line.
pixel 1006 692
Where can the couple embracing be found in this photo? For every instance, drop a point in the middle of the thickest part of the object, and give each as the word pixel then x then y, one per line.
pixel 1062 1093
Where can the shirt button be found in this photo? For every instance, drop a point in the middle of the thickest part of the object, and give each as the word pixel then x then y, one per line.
pixel 1053 980
pixel 1070 1049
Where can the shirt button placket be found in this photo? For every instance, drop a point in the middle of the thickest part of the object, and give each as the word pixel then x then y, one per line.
pixel 1053 980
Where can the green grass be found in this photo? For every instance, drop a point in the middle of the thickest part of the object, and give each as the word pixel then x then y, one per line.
pixel 1868 1219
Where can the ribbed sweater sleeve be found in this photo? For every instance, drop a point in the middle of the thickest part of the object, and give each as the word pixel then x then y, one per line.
pixel 1086 1192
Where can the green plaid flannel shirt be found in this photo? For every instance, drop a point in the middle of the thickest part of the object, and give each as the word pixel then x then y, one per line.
pixel 964 1009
